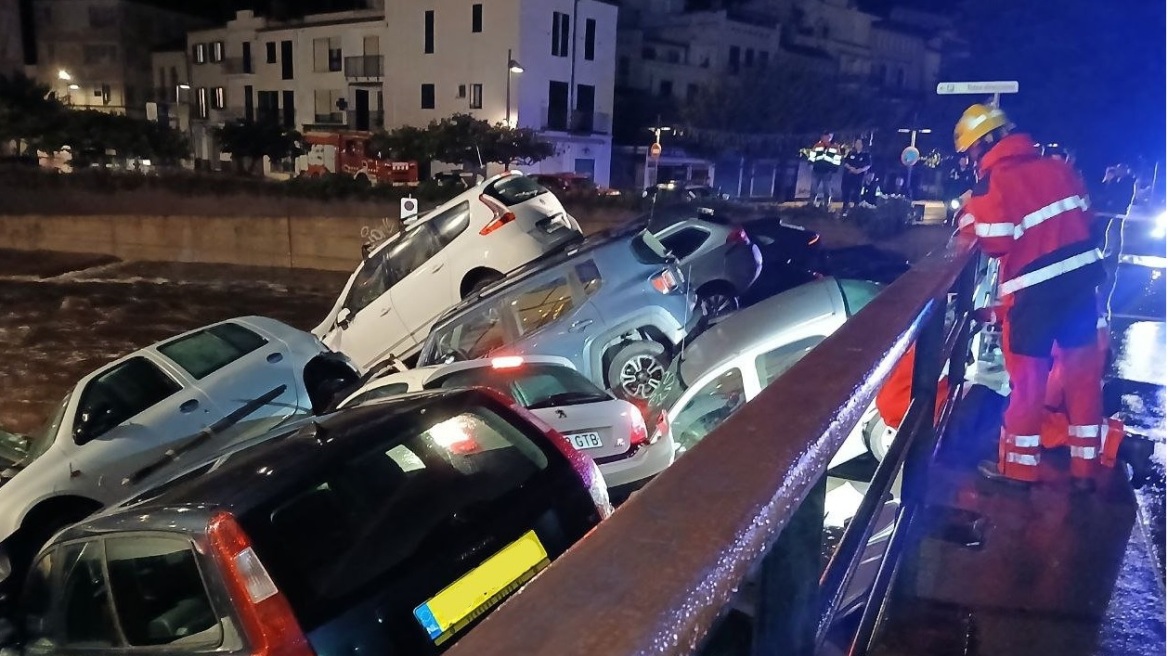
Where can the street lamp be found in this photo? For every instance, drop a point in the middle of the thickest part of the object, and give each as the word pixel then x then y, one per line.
pixel 513 68
pixel 74 87
pixel 62 74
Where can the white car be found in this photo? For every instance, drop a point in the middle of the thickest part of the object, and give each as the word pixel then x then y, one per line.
pixel 177 401
pixel 612 432
pixel 733 360
pixel 392 299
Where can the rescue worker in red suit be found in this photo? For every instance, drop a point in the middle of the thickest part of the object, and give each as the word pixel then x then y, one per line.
pixel 1031 213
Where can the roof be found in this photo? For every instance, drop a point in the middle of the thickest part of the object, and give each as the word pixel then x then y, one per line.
pixel 252 476
pixel 746 329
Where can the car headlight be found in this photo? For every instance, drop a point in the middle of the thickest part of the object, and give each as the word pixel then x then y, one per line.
pixel 955 204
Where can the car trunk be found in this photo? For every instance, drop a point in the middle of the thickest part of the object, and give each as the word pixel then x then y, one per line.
pixel 598 430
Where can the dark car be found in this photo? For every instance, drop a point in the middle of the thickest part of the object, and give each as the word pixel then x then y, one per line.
pixel 389 528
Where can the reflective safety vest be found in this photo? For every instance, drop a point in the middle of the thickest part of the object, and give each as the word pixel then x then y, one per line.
pixel 1031 212
pixel 825 157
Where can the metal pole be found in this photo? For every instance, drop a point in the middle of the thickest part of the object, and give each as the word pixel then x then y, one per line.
pixel 508 87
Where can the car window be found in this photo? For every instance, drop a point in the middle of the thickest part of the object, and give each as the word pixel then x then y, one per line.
pixel 37 602
pixel 202 353
pixel 158 592
pixel 85 611
pixel 385 391
pixel 514 189
pixel 431 481
pixel 413 250
pixel 684 242
pixel 539 306
pixel 647 249
pixel 858 293
pixel 473 335
pixel 589 276
pixel 532 385
pixel 708 408
pixel 775 362
pixel 451 223
pixel 122 392
pixel 371 282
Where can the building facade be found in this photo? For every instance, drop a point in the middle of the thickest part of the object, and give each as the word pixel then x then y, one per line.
pixel 96 54
pixel 11 39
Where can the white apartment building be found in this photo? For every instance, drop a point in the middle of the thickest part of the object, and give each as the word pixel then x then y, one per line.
pixel 96 54
pixel 11 40
pixel 548 65
pixel 172 88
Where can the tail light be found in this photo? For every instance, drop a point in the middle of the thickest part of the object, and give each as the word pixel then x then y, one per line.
pixel 507 362
pixel 638 434
pixel 667 281
pixel 737 236
pixel 268 622
pixel 501 215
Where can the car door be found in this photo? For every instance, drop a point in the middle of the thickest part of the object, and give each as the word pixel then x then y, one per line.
pixel 420 270
pixel 128 415
pixel 367 328
pixel 249 377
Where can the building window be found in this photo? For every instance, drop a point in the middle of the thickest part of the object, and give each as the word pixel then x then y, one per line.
pixel 199 53
pixel 476 96
pixel 476 18
pixel 217 51
pixel 899 77
pixel 428 45
pixel 247 57
pixel 289 109
pixel 735 57
pixel 427 96
pixel 648 53
pixel 462 91
pixel 691 92
pixel 749 61
pixel 286 60
pixel 271 48
pixel 590 39
pixel 560 25
pixel 326 54
pixel 218 98
pixel 763 58
pixel 666 88
pixel 201 102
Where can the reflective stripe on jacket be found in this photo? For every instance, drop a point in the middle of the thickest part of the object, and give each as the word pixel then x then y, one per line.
pixel 825 157
pixel 1032 213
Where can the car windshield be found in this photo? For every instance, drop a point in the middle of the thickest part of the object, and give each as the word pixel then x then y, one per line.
pixel 532 385
pixel 471 336
pixel 514 189
pixel 39 442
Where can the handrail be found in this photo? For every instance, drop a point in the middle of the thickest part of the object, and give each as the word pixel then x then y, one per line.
pixel 656 576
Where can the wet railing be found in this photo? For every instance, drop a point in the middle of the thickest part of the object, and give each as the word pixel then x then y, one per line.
pixel 745 506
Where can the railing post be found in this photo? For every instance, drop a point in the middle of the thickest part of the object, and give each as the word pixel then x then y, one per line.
pixel 927 367
pixel 787 613
pixel 964 290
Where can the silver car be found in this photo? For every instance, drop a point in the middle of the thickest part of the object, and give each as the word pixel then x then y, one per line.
pixel 614 305
pixel 715 254
pixel 610 431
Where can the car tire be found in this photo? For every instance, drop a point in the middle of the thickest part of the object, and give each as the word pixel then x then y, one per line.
pixel 716 299
pixel 636 370
pixel 481 281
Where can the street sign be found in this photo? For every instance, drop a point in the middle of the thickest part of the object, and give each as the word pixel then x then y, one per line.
pixel 910 156
pixel 409 208
pixel 655 150
pixel 976 88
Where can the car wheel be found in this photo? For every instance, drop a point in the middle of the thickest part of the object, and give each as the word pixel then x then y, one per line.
pixel 481 282
pixel 637 370
pixel 716 300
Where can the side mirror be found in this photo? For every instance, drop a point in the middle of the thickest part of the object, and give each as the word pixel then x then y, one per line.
pixel 344 318
pixel 93 422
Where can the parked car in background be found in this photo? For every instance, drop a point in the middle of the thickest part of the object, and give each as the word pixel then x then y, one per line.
pixel 396 526
pixel 608 430
pixel 715 254
pixel 392 299
pixel 615 306
pixel 673 190
pixel 739 355
pixel 785 243
pixel 189 396
pixel 573 185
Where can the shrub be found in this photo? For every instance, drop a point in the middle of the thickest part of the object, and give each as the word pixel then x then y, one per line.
pixel 888 218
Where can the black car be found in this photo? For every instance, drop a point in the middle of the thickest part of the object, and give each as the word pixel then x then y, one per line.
pixel 389 528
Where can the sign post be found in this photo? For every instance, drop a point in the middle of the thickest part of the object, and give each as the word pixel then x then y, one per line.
pixel 996 89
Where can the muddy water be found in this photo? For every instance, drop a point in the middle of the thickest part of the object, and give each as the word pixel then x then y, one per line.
pixel 63 316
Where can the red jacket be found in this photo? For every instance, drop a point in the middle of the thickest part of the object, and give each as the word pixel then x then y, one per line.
pixel 1031 212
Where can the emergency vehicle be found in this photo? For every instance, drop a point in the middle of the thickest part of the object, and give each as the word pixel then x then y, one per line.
pixel 347 152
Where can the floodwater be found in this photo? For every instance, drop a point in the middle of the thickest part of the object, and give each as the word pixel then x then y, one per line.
pixel 62 316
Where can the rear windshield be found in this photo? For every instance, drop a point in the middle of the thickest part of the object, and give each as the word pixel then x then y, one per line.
pixel 532 385
pixel 647 249
pixel 438 480
pixel 515 189
pixel 472 336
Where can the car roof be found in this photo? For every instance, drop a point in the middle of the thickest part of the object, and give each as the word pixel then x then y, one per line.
pixel 252 476
pixel 751 327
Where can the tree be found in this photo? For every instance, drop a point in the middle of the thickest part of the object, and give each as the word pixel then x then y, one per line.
pixel 28 111
pixel 96 137
pixel 249 142
pixel 465 141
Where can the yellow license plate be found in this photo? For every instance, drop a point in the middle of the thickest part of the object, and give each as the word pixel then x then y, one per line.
pixel 482 588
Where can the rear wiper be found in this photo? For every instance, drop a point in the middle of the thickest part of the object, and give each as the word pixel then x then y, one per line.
pixel 204 435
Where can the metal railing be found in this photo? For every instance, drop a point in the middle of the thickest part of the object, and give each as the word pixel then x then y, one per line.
pixel 365 66
pixel 657 576
pixel 376 120
pixel 578 121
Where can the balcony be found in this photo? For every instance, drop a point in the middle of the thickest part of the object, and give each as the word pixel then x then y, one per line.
pixel 331 118
pixel 375 120
pixel 238 66
pixel 576 122
pixel 364 66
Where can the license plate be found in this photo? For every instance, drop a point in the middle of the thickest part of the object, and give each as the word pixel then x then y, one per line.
pixel 583 441
pixel 482 588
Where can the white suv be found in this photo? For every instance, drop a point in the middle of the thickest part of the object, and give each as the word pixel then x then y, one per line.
pixel 393 298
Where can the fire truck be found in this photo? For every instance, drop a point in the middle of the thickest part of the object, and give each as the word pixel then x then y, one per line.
pixel 348 153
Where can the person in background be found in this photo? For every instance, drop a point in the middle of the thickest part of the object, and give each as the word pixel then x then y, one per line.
pixel 825 157
pixel 896 187
pixel 960 179
pixel 1117 190
pixel 856 165
pixel 870 192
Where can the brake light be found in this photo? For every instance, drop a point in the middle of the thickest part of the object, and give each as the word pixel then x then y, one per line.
pixel 268 622
pixel 507 362
pixel 666 281
pixel 502 216
pixel 638 435
pixel 737 236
